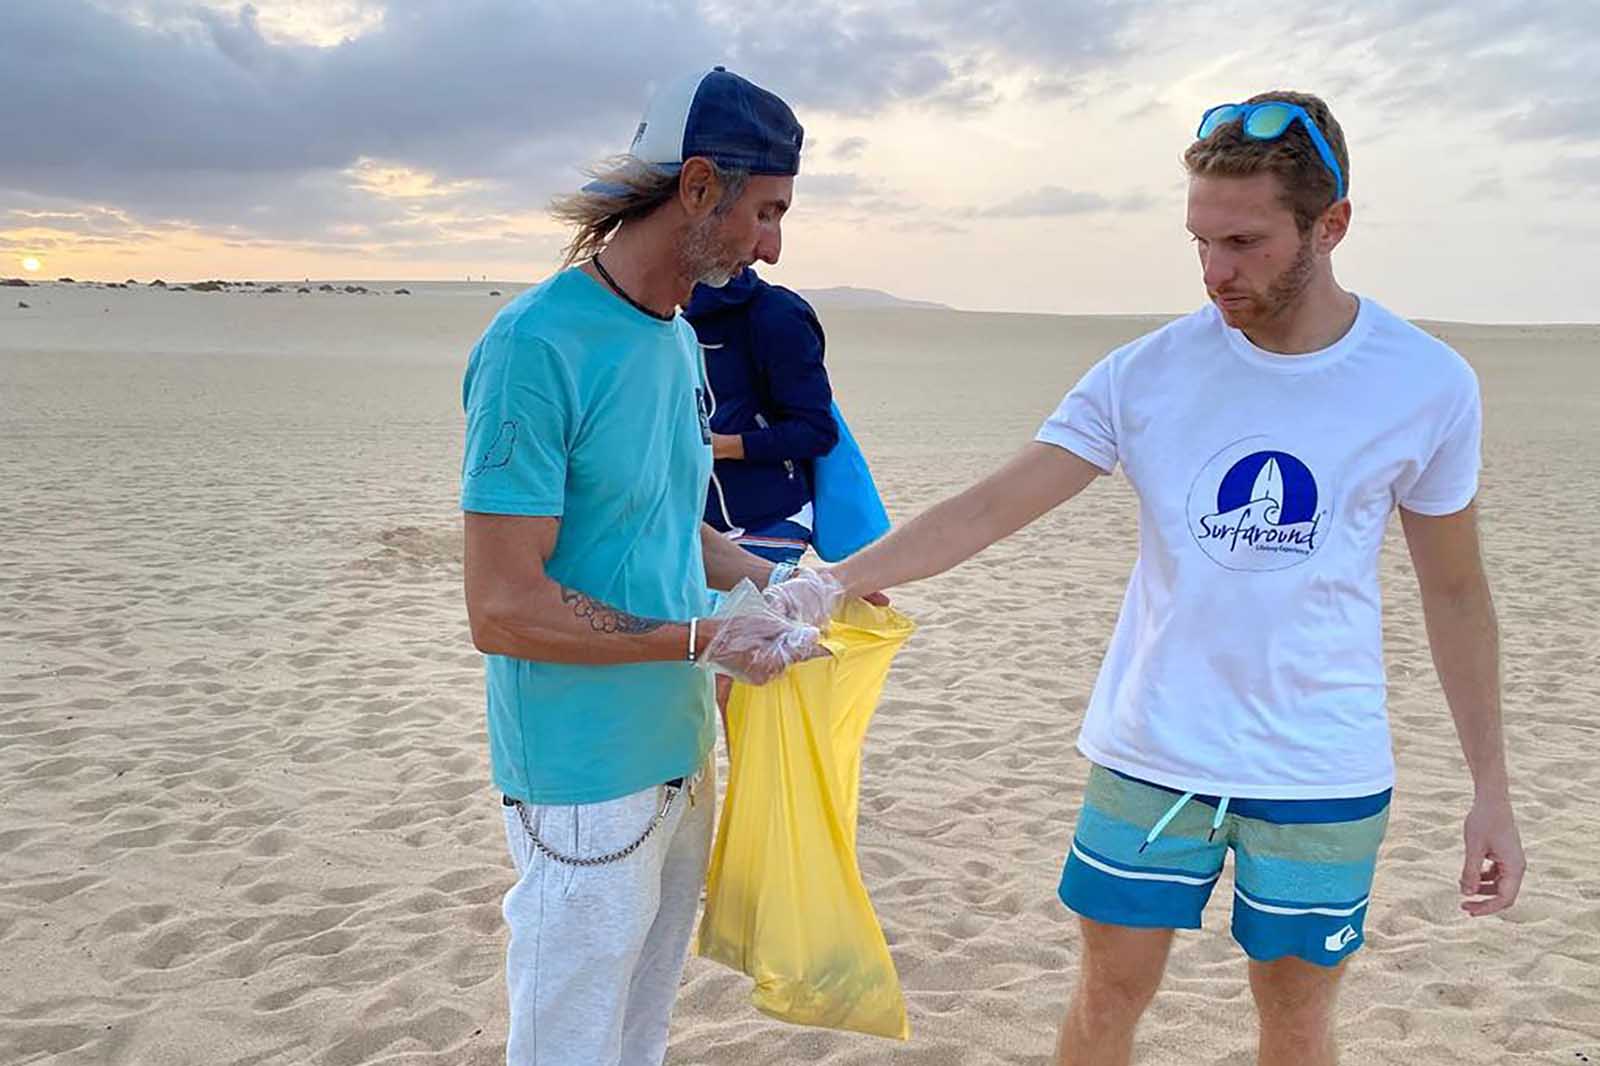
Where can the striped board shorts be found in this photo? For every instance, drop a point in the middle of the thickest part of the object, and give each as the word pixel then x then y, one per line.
pixel 1148 856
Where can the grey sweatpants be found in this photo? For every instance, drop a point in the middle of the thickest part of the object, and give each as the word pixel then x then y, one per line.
pixel 596 952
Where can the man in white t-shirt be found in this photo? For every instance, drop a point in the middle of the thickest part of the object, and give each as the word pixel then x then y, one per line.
pixel 1241 704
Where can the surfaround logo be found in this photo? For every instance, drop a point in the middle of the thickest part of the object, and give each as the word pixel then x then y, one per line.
pixel 1253 507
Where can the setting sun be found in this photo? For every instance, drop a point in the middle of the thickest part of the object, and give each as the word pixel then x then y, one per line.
pixel 31 265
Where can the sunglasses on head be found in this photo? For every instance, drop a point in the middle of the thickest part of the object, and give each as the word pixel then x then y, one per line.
pixel 1269 120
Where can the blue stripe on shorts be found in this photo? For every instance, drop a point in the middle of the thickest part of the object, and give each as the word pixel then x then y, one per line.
pixel 1302 868
pixel 781 542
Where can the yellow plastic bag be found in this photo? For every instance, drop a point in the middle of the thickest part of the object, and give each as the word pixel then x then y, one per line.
pixel 784 899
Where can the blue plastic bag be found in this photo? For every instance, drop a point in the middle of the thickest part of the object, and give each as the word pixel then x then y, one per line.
pixel 848 513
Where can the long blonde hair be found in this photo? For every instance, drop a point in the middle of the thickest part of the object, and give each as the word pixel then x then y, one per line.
pixel 625 189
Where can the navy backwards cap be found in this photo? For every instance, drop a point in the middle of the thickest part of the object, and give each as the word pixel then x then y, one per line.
pixel 717 114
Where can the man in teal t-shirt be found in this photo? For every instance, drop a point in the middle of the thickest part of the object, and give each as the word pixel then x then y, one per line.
pixel 581 407
pixel 584 478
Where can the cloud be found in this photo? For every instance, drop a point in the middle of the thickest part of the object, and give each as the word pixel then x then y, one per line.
pixel 340 119
pixel 451 85
pixel 859 58
pixel 1492 188
pixel 928 227
pixel 1529 71
pixel 440 85
pixel 1143 111
pixel 848 149
pixel 44 226
pixel 853 198
pixel 1582 173
pixel 1047 34
pixel 1050 88
pixel 325 23
pixel 88 221
pixel 359 122
pixel 834 186
pixel 1055 201
pixel 398 182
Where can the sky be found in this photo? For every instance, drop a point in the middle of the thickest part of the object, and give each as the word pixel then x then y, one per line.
pixel 1016 155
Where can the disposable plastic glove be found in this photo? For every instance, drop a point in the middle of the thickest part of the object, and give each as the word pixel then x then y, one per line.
pixel 806 596
pixel 754 643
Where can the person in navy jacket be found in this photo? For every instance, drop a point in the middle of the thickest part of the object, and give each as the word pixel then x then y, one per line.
pixel 771 412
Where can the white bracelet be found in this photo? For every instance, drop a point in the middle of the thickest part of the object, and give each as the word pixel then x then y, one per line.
pixel 694 627
pixel 780 573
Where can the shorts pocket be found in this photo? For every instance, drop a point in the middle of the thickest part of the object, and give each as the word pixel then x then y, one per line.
pixel 591 838
pixel 528 825
pixel 620 833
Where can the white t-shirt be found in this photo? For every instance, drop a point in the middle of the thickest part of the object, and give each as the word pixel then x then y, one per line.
pixel 1248 657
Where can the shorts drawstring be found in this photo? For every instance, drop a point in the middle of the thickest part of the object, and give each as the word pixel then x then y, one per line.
pixel 1172 812
pixel 1216 822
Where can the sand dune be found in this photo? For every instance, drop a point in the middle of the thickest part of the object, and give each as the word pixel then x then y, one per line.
pixel 246 817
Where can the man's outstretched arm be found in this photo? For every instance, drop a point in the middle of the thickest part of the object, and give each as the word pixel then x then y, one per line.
pixel 1040 478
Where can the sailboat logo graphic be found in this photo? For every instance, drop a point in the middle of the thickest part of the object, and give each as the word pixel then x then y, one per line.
pixel 1264 514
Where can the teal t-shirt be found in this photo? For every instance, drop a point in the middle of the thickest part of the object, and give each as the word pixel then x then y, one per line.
pixel 581 407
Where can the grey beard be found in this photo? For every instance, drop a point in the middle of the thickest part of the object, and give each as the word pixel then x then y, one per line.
pixel 700 256
pixel 717 278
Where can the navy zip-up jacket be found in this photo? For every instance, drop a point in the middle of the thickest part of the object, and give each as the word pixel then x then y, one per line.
pixel 763 349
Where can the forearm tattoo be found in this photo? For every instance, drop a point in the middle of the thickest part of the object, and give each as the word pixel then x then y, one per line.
pixel 603 619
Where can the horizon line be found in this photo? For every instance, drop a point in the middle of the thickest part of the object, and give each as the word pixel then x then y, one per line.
pixel 909 301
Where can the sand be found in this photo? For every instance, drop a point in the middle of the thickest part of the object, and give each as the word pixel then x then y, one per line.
pixel 244 806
